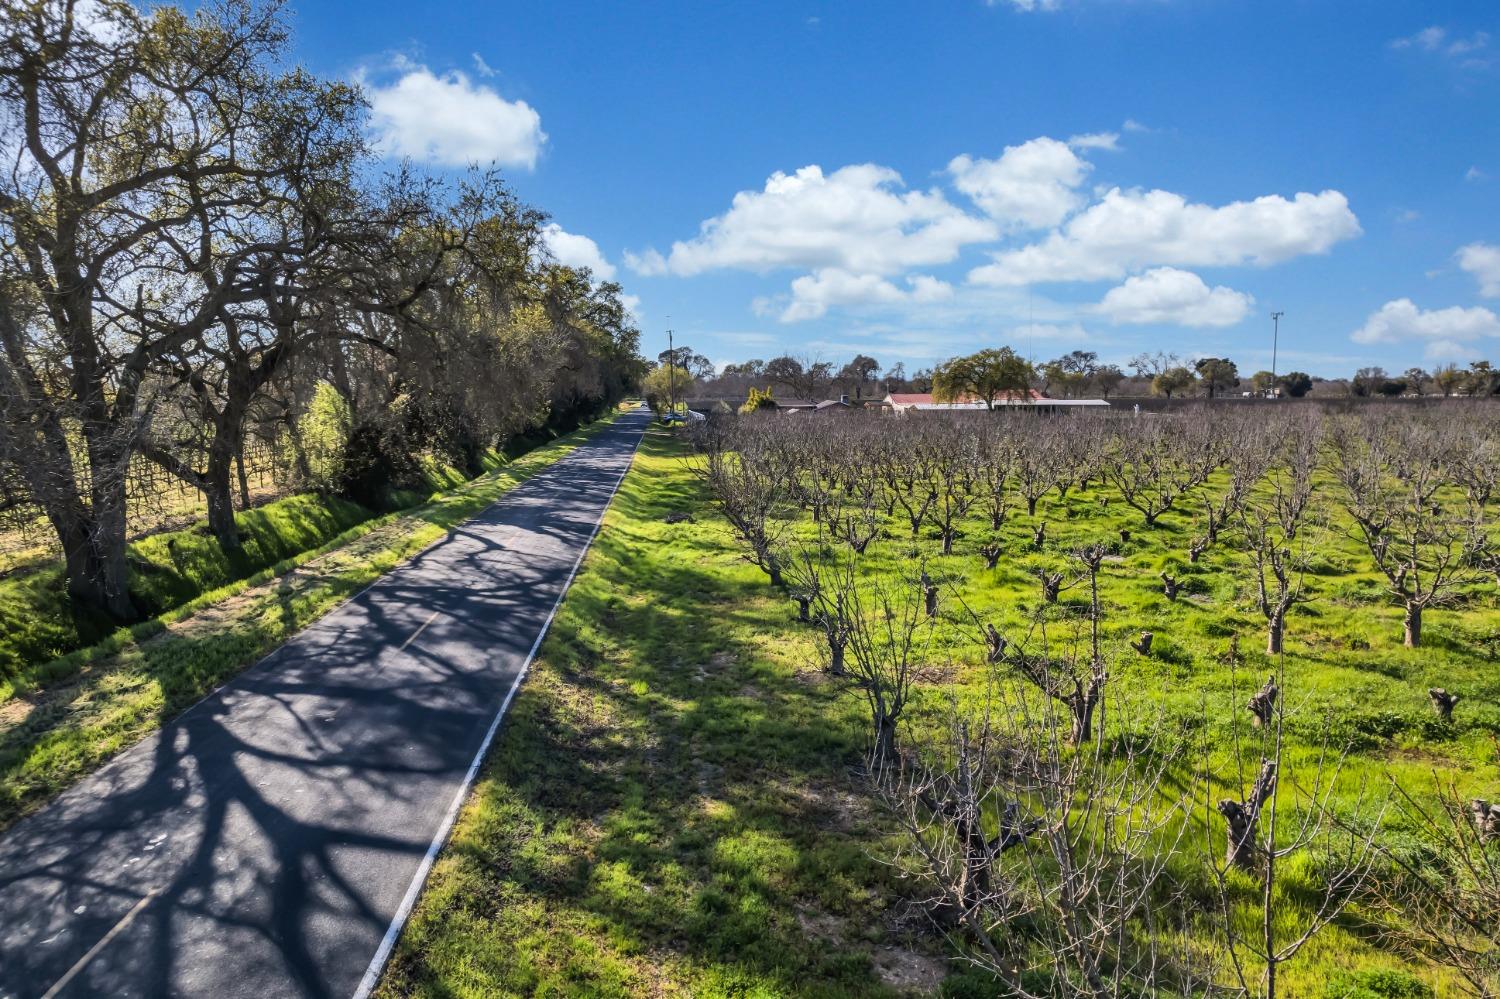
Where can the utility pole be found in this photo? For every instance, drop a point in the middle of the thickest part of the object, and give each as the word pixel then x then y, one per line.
pixel 671 376
pixel 1275 341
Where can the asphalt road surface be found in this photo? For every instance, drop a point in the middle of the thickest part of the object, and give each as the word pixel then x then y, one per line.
pixel 268 841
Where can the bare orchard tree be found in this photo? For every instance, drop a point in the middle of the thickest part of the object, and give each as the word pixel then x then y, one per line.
pixel 997 458
pixel 1078 685
pixel 1145 464
pixel 1474 451
pixel 1392 477
pixel 822 579
pixel 1440 903
pixel 1260 833
pixel 890 634
pixel 957 472
pixel 1275 520
pixel 751 491
pixel 1038 464
pixel 1047 864
pixel 1249 444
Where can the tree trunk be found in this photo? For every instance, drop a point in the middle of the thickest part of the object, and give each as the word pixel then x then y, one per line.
pixel 1413 626
pixel 1274 632
pixel 239 466
pixel 95 565
pixel 885 740
pixel 218 490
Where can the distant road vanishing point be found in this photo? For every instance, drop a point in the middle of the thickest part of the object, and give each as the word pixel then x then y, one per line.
pixel 270 840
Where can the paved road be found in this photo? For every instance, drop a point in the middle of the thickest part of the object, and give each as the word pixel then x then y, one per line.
pixel 262 843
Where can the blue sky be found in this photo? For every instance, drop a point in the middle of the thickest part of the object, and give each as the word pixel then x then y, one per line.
pixel 915 181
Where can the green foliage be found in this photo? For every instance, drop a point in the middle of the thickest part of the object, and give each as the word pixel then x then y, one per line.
pixel 758 400
pixel 1385 984
pixel 323 433
pixel 37 622
pixel 662 386
pixel 1296 383
pixel 1173 381
pixel 986 375
pixel 90 704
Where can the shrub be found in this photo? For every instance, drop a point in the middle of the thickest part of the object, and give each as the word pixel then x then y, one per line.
pixel 1382 984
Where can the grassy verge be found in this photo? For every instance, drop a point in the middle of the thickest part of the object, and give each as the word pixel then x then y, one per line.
pixel 62 720
pixel 38 623
pixel 669 807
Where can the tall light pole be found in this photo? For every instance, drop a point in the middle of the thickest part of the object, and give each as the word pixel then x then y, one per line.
pixel 1275 341
pixel 671 376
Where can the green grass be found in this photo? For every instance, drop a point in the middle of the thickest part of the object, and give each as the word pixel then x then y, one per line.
pixel 669 806
pixel 38 622
pixel 62 719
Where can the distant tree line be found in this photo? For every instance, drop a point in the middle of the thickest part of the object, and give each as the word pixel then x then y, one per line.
pixel 197 247
pixel 988 373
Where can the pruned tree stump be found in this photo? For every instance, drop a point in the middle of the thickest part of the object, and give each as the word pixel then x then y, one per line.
pixel 1124 536
pixel 804 603
pixel 1039 536
pixel 1486 819
pixel 1051 584
pixel 991 555
pixel 929 595
pixel 1263 702
pixel 1243 816
pixel 1442 702
pixel 1143 644
pixel 1170 586
pixel 678 517
pixel 1196 550
pixel 997 643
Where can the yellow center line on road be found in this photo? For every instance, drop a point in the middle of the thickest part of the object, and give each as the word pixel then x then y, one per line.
pixel 93 951
pixel 420 629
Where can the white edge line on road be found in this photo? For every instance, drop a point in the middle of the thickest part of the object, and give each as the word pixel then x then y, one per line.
pixel 398 922
pixel 382 579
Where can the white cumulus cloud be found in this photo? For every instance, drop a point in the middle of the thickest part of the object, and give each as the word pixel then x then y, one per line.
pixel 1030 186
pixel 1169 295
pixel 1443 331
pixel 453 121
pixel 577 251
pixel 813 294
pixel 1483 261
pixel 1096 140
pixel 1126 230
pixel 858 219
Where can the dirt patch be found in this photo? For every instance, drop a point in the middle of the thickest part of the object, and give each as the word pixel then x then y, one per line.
pixel 909 971
pixel 837 805
pixel 820 925
pixel 717 664
pixel 943 674
pixel 14 711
